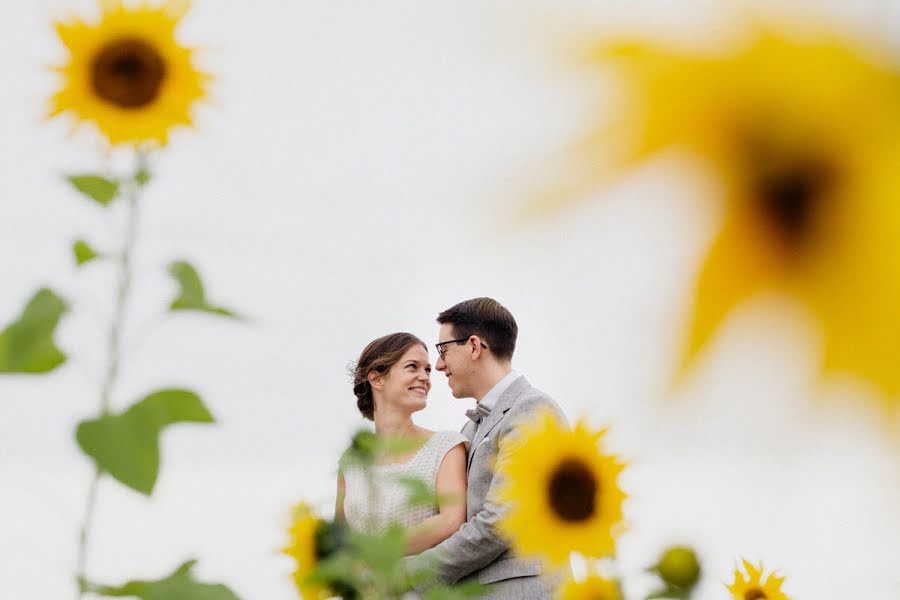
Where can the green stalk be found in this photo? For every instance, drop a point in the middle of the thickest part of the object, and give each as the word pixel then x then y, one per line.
pixel 114 338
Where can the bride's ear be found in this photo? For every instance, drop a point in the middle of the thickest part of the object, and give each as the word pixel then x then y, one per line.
pixel 376 380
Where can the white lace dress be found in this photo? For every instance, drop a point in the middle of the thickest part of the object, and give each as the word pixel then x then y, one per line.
pixel 374 509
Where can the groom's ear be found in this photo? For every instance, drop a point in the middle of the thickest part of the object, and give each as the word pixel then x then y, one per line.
pixel 475 347
pixel 376 380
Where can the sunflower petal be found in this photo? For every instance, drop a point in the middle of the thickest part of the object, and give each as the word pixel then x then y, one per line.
pixel 111 6
pixel 176 9
pixel 738 265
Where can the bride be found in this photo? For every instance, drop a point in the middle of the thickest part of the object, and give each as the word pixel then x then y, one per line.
pixel 391 381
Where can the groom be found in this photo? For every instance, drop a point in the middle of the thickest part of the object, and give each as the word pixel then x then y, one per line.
pixel 475 348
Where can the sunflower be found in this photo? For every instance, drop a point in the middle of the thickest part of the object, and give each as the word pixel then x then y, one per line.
pixel 593 587
pixel 303 549
pixel 800 128
pixel 127 74
pixel 753 587
pixel 562 491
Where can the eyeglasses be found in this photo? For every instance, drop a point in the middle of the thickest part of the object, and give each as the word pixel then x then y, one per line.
pixel 440 345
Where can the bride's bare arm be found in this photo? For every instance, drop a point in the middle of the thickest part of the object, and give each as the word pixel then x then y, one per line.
pixel 339 499
pixel 450 485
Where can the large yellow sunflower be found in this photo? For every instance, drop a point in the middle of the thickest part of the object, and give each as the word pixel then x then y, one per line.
pixel 754 587
pixel 593 587
pixel 302 548
pixel 127 74
pixel 801 128
pixel 562 491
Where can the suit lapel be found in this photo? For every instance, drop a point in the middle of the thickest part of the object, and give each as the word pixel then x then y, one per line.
pixel 468 430
pixel 504 403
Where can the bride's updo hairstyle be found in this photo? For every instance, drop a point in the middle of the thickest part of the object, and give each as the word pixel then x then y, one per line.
pixel 379 356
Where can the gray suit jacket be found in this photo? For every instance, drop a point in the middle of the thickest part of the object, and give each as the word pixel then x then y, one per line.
pixel 477 551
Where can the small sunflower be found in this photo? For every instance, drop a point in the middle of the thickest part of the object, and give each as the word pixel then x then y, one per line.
pixel 754 587
pixel 593 587
pixel 562 492
pixel 302 547
pixel 127 74
pixel 799 126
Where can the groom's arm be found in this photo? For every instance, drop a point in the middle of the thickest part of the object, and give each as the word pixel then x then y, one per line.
pixel 478 543
pixel 475 545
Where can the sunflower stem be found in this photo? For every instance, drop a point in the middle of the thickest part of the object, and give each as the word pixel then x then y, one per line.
pixel 114 337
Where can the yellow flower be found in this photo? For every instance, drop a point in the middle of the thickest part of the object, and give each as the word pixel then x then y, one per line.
pixel 753 587
pixel 592 588
pixel 127 74
pixel 562 492
pixel 801 130
pixel 302 548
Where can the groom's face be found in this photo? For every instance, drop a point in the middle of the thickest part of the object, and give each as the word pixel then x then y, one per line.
pixel 454 363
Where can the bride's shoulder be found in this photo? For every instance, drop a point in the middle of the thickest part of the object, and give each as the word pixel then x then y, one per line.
pixel 345 462
pixel 449 438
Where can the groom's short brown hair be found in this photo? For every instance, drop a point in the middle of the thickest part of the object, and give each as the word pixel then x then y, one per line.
pixel 486 318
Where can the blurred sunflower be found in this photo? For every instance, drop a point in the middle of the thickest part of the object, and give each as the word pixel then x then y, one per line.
pixel 562 492
pixel 127 74
pixel 753 587
pixel 302 547
pixel 593 587
pixel 802 130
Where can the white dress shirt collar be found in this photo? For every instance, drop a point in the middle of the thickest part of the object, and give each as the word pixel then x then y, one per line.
pixel 490 399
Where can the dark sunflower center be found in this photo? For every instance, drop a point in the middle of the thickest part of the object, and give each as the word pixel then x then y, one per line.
pixel 789 196
pixel 128 72
pixel 573 491
pixel 754 594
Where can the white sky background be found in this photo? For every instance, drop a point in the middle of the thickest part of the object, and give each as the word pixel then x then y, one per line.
pixel 356 175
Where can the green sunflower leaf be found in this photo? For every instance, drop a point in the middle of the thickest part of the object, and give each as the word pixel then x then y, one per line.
pixel 340 573
pixel 670 593
pixel 421 571
pixel 420 494
pixel 97 188
pixel 142 177
pixel 387 445
pixel 383 552
pixel 191 295
pixel 126 445
pixel 83 252
pixel 180 585
pixel 362 450
pixel 366 448
pixel 27 346
pixel 470 589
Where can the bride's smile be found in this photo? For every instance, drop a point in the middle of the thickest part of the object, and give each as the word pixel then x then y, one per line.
pixel 406 385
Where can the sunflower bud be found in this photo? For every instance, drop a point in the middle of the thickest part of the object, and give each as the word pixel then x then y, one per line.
pixel 330 537
pixel 678 567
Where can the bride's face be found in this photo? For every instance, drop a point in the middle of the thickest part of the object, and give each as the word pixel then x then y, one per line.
pixel 408 382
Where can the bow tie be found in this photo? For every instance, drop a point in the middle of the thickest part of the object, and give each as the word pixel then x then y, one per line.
pixel 478 412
